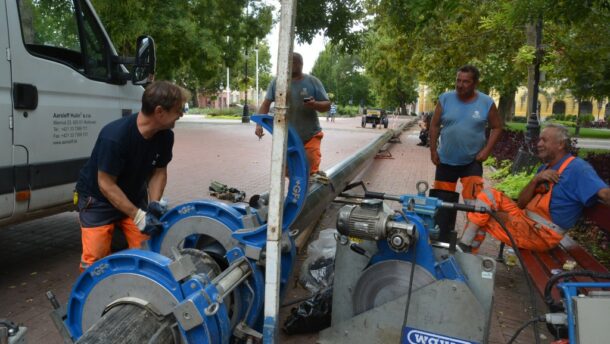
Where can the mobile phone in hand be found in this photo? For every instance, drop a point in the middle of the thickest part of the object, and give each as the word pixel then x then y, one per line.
pixel 308 99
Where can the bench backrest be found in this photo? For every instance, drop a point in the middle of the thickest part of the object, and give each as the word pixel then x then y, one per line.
pixel 600 214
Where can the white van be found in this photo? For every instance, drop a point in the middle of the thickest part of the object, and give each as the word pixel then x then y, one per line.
pixel 61 81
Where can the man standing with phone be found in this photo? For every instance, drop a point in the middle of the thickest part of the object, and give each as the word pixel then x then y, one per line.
pixel 307 98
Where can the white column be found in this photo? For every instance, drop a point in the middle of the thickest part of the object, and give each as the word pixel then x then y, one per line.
pixel 256 51
pixel 228 90
pixel 278 165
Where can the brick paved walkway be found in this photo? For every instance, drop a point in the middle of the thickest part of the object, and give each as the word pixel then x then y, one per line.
pixel 43 254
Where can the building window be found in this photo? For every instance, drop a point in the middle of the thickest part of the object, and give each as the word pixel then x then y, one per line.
pixel 559 107
pixel 586 108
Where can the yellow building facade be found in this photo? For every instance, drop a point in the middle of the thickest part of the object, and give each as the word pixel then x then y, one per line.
pixel 566 105
pixel 548 103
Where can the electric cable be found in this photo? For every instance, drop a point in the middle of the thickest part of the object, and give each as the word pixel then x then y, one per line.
pixel 493 214
pixel 410 289
pixel 548 296
pixel 529 322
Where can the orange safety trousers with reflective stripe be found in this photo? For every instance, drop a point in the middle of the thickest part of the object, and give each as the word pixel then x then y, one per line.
pixel 527 233
pixel 97 240
pixel 471 186
pixel 312 152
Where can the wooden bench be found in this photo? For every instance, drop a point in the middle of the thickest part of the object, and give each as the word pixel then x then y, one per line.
pixel 541 265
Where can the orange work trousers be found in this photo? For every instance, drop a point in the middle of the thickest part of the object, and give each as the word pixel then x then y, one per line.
pixel 528 234
pixel 312 151
pixel 97 240
pixel 470 175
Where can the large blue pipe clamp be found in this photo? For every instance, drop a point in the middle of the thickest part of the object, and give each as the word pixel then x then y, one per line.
pixel 230 231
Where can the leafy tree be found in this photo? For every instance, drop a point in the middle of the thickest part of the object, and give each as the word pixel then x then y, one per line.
pixel 238 76
pixel 578 60
pixel 196 40
pixel 440 36
pixel 342 76
pixel 337 19
pixel 386 55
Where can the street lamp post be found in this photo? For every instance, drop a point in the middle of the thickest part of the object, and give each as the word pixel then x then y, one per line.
pixel 534 36
pixel 245 117
pixel 257 95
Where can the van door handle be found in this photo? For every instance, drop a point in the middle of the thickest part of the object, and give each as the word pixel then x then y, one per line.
pixel 25 96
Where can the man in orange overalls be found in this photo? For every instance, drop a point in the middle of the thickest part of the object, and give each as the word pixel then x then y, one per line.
pixel 549 205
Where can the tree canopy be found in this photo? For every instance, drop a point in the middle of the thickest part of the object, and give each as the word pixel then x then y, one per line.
pixel 196 40
pixel 387 46
pixel 342 76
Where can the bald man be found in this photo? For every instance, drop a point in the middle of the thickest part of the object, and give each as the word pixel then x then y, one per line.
pixel 307 98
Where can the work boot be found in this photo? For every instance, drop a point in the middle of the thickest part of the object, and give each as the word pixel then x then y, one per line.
pixel 469 233
pixel 472 238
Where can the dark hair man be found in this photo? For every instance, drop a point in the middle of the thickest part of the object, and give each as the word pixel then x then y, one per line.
pixel 460 118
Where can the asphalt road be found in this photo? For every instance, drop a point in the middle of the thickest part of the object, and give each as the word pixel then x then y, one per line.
pixel 593 143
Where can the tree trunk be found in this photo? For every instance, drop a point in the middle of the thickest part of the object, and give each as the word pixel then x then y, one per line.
pixel 403 110
pixel 577 129
pixel 127 324
pixel 505 106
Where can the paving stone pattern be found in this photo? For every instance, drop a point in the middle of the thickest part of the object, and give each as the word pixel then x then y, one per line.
pixel 43 254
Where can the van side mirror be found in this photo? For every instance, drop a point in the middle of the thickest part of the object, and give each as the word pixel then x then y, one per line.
pixel 144 67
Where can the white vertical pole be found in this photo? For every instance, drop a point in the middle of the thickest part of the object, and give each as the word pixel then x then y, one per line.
pixel 278 165
pixel 228 90
pixel 257 93
pixel 228 85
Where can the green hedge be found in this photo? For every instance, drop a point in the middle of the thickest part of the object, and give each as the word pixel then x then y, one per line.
pixel 568 124
pixel 347 110
pixel 230 112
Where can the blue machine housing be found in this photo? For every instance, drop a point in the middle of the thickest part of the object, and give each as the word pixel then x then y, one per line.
pixel 154 266
pixel 232 215
pixel 196 289
pixel 571 290
pixel 419 210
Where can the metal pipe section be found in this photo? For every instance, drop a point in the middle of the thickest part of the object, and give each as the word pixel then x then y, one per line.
pixel 231 278
pixel 340 176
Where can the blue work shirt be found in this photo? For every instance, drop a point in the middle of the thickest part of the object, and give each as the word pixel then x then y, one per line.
pixel 462 127
pixel 577 188
pixel 122 152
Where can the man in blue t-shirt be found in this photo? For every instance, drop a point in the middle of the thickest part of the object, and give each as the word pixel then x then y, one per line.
pixel 307 98
pixel 127 173
pixel 460 118
pixel 331 114
pixel 548 206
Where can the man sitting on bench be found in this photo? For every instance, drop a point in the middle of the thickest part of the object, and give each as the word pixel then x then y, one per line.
pixel 549 205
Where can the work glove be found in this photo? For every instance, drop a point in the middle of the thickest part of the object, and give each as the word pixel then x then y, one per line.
pixel 157 208
pixel 148 223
